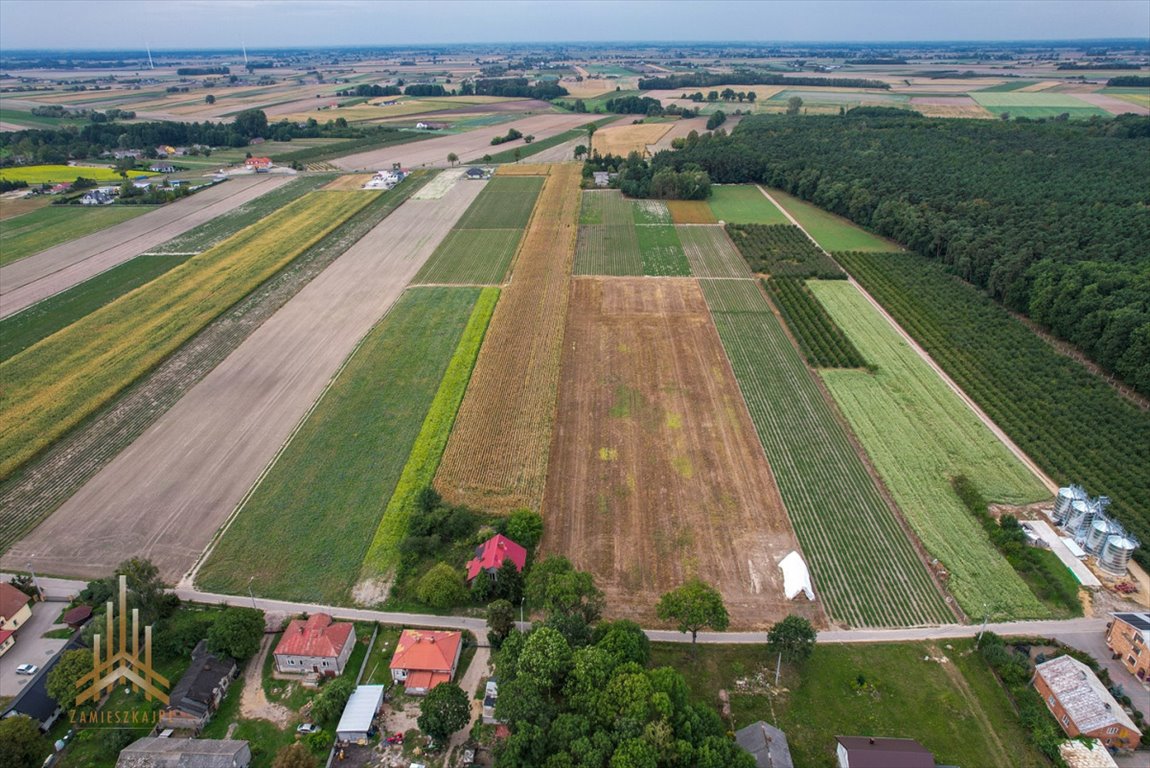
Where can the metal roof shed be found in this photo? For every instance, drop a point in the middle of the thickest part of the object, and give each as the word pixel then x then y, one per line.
pixel 355 723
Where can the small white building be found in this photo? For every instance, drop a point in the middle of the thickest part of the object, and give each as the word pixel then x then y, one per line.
pixel 385 179
pixel 356 723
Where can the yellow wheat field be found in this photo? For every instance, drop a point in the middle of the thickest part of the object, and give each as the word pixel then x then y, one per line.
pixel 623 139
pixel 524 169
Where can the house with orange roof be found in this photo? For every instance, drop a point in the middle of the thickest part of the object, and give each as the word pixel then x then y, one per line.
pixel 489 556
pixel 424 658
pixel 15 610
pixel 315 645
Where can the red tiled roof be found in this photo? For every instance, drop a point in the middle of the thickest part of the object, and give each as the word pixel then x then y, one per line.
pixel 426 651
pixel 11 600
pixel 317 636
pixel 78 615
pixel 425 680
pixel 260 161
pixel 491 554
pixel 5 634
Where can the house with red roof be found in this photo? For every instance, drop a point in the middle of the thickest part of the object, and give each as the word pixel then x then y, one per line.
pixel 15 610
pixel 424 658
pixel 315 645
pixel 258 163
pixel 489 556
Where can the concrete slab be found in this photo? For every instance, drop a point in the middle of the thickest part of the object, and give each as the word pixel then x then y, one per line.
pixel 1060 550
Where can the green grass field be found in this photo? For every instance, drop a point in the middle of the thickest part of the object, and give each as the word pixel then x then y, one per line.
pixel 956 708
pixel 744 204
pixel 55 174
pixel 1007 87
pixel 337 474
pixel 33 232
pixel 471 257
pixel 505 203
pixel 919 434
pixel 865 571
pixel 833 233
pixel 660 250
pixel 605 206
pixel 1035 105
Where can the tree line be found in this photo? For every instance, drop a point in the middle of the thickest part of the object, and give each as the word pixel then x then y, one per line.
pixel 1045 216
pixel 751 77
pixel 518 87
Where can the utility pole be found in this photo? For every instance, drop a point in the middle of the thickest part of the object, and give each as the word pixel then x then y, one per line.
pixel 36 582
pixel 985 618
pixel 250 593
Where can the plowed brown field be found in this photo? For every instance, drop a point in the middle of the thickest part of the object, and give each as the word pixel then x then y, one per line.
pixel 656 474
pixel 496 458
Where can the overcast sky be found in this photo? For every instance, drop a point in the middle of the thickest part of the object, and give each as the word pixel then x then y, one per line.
pixel 125 24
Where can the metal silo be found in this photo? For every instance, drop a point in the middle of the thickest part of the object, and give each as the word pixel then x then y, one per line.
pixel 1066 496
pixel 1096 535
pixel 1080 517
pixel 1116 554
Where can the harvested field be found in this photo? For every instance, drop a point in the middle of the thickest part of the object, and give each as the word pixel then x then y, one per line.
pixel 56 269
pixel 496 458
pixel 349 181
pixel 213 444
pixel 1114 104
pixel 438 187
pixel 691 212
pixel 682 127
pixel 654 452
pixel 623 139
pixel 17 204
pixel 711 253
pixel 524 169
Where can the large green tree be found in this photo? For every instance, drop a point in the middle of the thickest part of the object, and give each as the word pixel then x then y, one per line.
pixel 500 620
pixel 443 711
pixel 694 606
pixel 20 744
pixel 441 587
pixel 793 637
pixel 332 698
pixel 237 632
pixel 546 657
pixel 554 586
pixel 61 681
pixel 525 528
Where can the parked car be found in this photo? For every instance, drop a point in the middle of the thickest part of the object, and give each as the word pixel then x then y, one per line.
pixel 27 669
pixel 306 728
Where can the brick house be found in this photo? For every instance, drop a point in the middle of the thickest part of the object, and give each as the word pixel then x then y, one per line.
pixel 15 610
pixel 1082 705
pixel 423 659
pixel 1128 637
pixel 315 645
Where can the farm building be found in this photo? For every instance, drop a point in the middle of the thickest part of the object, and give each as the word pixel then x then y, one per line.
pixel 1079 755
pixel 476 173
pixel 160 752
pixel 15 610
pixel 767 744
pixel 357 722
pixel 258 163
pixel 877 752
pixel 162 168
pixel 1128 637
pixel 489 556
pixel 97 197
pixel 423 659
pixel 1082 705
pixel 199 692
pixel 315 645
pixel 602 178
pixel 78 616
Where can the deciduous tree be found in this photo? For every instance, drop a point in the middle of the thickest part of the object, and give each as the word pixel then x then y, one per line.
pixel 793 637
pixel 237 632
pixel 694 606
pixel 441 587
pixel 61 682
pixel 443 711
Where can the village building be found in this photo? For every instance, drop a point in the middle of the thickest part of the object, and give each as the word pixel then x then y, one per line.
pixel 878 752
pixel 423 659
pixel 199 692
pixel 489 556
pixel 767 744
pixel 1128 637
pixel 258 163
pixel 315 645
pixel 15 610
pixel 160 752
pixel 1082 705
pixel 357 723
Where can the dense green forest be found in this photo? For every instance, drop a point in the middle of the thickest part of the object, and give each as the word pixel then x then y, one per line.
pixel 1052 219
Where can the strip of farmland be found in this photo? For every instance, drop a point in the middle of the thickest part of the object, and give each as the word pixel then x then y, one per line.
pixel 496 458
pixel 831 232
pixel 623 237
pixel 336 475
pixel 60 381
pixel 865 569
pixel 743 204
pixel 711 253
pixel 32 279
pixel 48 480
pixel 195 464
pixel 33 232
pixel 480 248
pixel 919 435
pixel 656 474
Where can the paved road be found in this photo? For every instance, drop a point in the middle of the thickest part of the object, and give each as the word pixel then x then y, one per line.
pixel 35 278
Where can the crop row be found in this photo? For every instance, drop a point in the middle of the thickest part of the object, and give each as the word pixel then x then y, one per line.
pixel 383 555
pixel 506 202
pixel 919 434
pixel 710 252
pixel 34 232
pixel 608 249
pixel 782 250
pixel 605 206
pixel 661 251
pixel 1067 419
pixel 865 569
pixel 57 383
pixel 821 340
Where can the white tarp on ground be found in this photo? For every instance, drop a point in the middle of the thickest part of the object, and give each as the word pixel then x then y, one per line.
pixel 359 713
pixel 796 577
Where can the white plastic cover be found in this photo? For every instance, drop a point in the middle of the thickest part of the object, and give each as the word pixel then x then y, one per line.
pixel 796 577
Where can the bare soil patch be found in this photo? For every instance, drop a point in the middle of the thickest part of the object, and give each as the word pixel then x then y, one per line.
pixel 656 474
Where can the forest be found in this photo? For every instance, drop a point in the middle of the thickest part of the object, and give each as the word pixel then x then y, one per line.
pixel 1049 218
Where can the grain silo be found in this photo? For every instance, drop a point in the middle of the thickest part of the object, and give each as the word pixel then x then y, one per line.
pixel 1101 528
pixel 1066 496
pixel 1116 554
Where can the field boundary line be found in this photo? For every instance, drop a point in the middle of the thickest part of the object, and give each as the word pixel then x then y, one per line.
pixel 922 353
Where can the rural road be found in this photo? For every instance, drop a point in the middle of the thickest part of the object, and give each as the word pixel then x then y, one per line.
pixel 166 495
pixel 43 274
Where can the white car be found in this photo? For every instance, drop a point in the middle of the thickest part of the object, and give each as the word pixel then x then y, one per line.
pixel 27 669
pixel 306 728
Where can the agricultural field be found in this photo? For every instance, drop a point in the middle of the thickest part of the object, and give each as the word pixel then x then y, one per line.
pixel 941 694
pixel 541 145
pixel 496 458
pixel 743 204
pixel 56 174
pixel 781 250
pixel 33 232
pixel 338 472
pixel 822 342
pixel 831 232
pixel 691 212
pixel 919 435
pixel 622 237
pixel 1039 397
pixel 661 252
pixel 1035 105
pixel 865 569
pixel 480 248
pixel 652 446
pixel 1137 96
pixel 711 253
pixel 623 139
pixel 57 383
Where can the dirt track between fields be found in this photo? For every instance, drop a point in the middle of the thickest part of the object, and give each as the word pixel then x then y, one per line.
pixel 468 146
pixel 35 278
pixel 165 496
pixel 656 473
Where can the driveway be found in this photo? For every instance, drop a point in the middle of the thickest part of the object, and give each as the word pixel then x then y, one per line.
pixel 30 647
pixel 1094 643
